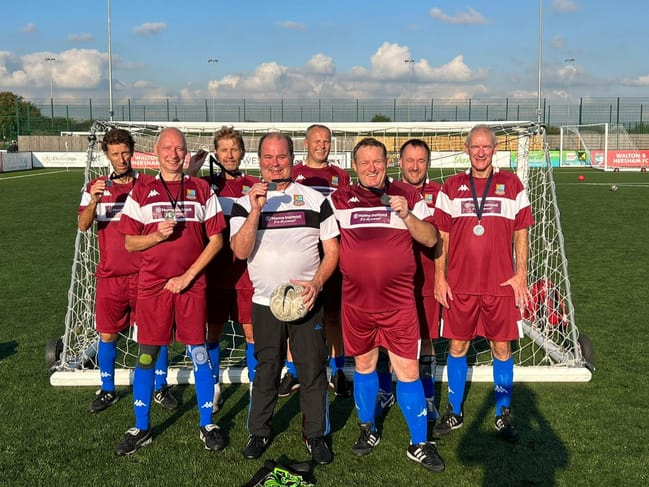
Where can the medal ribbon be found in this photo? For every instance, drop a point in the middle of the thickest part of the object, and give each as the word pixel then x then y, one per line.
pixel 213 160
pixel 172 200
pixel 479 209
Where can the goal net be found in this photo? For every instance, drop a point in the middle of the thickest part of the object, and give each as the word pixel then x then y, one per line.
pixel 604 146
pixel 550 349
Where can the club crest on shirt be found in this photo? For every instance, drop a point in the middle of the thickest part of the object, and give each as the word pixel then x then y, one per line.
pixel 245 189
pixel 334 180
pixel 428 198
pixel 298 200
pixel 190 194
pixel 500 189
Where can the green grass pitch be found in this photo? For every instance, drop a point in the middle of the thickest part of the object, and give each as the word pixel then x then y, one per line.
pixel 571 434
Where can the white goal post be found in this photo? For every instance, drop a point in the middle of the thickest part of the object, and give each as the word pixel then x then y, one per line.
pixel 603 146
pixel 551 349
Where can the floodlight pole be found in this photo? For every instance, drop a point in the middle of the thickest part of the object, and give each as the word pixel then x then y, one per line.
pixel 411 67
pixel 570 61
pixel 540 64
pixel 214 61
pixel 110 68
pixel 51 60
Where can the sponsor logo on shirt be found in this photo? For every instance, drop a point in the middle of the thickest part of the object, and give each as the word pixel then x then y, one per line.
pixel 298 200
pixel 370 217
pixel 284 219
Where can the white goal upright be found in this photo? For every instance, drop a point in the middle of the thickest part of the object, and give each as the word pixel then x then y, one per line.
pixel 551 350
pixel 604 146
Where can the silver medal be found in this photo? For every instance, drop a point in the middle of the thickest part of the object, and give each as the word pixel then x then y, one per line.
pixel 385 199
pixel 478 230
pixel 109 183
pixel 272 186
pixel 170 215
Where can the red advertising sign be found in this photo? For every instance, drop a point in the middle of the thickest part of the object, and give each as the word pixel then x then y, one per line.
pixel 627 158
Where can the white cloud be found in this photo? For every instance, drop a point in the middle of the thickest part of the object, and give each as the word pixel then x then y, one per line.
pixel 470 16
pixel 81 37
pixel 322 65
pixel 565 5
pixel 640 81
pixel 72 69
pixel 557 42
pixel 289 24
pixel 28 28
pixel 150 28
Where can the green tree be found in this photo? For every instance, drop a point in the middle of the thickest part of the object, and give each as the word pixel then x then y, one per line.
pixel 14 110
pixel 381 118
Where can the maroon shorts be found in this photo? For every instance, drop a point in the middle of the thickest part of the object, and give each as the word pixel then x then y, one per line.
pixel 495 318
pixel 229 304
pixel 115 299
pixel 159 312
pixel 428 312
pixel 396 330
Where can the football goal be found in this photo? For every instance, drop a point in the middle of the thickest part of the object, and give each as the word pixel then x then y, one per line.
pixel 604 146
pixel 551 350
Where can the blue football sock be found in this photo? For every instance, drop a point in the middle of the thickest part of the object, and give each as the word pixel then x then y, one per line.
pixel 366 388
pixel 290 366
pixel 214 351
pixel 503 382
pixel 410 396
pixel 142 395
pixel 251 361
pixel 106 355
pixel 203 381
pixel 337 363
pixel 427 365
pixel 456 371
pixel 161 366
pixel 383 371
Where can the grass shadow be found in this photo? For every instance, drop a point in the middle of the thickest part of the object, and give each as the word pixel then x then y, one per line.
pixel 533 460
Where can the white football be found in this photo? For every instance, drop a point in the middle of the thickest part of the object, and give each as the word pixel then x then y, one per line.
pixel 614 188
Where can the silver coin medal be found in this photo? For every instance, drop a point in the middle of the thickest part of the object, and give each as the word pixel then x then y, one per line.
pixel 272 186
pixel 479 230
pixel 170 215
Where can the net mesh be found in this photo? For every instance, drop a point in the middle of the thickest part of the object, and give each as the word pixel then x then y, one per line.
pixel 551 335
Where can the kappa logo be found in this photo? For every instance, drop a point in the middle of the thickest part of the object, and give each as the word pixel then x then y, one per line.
pixel 353 199
pixel 106 374
pixel 300 177
pixel 139 403
pixel 500 389
pixel 107 193
pixel 153 193
pixel 464 187
pixel 423 413
pixel 207 405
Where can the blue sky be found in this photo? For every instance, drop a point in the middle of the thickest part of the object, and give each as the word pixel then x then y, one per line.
pixel 335 49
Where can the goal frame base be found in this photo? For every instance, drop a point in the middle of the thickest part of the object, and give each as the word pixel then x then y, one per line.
pixel 185 375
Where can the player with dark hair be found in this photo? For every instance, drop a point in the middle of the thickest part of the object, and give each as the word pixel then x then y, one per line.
pixel 229 289
pixel 279 227
pixel 319 173
pixel 167 221
pixel 117 271
pixel 481 213
pixel 379 220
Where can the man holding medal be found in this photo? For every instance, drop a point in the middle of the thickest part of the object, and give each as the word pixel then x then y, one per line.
pixel 167 221
pixel 117 271
pixel 480 214
pixel 379 221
